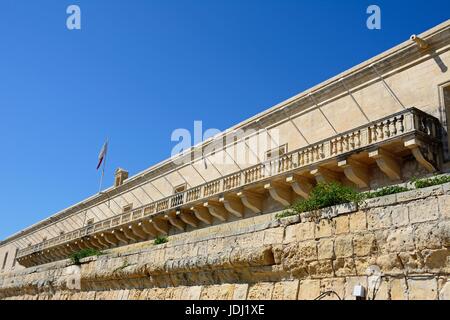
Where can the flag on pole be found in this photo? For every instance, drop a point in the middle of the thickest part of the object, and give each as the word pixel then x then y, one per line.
pixel 102 154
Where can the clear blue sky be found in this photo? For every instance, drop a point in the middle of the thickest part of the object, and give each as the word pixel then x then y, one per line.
pixel 140 69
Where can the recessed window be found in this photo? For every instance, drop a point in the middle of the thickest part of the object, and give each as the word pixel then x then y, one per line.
pixel 4 260
pixel 15 257
pixel 89 222
pixel 44 239
pixel 277 152
pixel 127 208
pixel 61 232
pixel 179 189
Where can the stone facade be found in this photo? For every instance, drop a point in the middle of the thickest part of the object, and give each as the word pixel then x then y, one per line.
pixel 403 77
pixel 396 246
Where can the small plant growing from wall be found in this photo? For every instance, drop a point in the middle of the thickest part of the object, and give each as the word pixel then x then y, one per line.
pixel 324 195
pixel 425 183
pixel 386 191
pixel 160 240
pixel 84 253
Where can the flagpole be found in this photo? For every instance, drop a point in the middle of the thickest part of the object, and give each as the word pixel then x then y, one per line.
pixel 103 167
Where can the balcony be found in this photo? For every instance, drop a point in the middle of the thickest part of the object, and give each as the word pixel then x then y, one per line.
pixel 348 156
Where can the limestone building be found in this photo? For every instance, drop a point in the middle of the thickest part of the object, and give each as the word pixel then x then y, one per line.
pixel 380 123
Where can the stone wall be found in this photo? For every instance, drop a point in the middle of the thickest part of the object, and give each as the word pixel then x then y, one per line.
pixel 405 238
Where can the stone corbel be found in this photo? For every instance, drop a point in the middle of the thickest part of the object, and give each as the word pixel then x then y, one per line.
pixel 202 214
pixel 80 244
pixel 138 232
pixel 129 234
pixel 423 154
pixel 280 193
pixel 173 219
pixel 40 258
pixel 387 162
pixel 233 205
pixel 95 243
pixel 52 255
pixel 44 258
pixel 110 239
pixel 188 218
pixel 120 236
pixel 217 210
pixel 251 200
pixel 148 228
pixel 57 254
pixel 161 225
pixel 356 172
pixel 301 185
pixel 71 248
pixel 325 175
pixel 84 243
pixel 102 241
pixel 62 252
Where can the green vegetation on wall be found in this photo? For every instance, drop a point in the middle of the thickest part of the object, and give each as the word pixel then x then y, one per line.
pixel 84 253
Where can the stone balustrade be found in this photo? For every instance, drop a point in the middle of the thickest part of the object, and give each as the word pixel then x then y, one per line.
pixel 383 142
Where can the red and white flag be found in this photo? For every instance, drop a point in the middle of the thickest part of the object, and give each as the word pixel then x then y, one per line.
pixel 102 154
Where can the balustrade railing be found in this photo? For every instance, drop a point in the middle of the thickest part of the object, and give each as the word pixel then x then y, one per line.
pixel 405 122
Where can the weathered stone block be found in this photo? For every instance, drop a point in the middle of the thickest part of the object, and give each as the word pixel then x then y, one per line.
pixel 321 269
pixel 364 245
pixel 398 289
pixel 290 234
pixel 293 258
pixel 358 221
pixel 444 292
pixel 217 292
pixel 286 290
pixel 422 289
pixel 240 291
pixel 400 240
pixel 390 263
pixel 411 261
pixel 336 285
pixel 324 229
pixel 444 233
pixel 309 289
pixel 305 231
pixel 423 210
pixel 343 246
pixel 308 250
pixel 344 267
pixel 378 218
pixel 342 224
pixel 436 260
pixel 444 206
pixel 260 291
pixel 400 216
pixel 379 290
pixel 325 249
pixel 273 236
pixel 427 236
